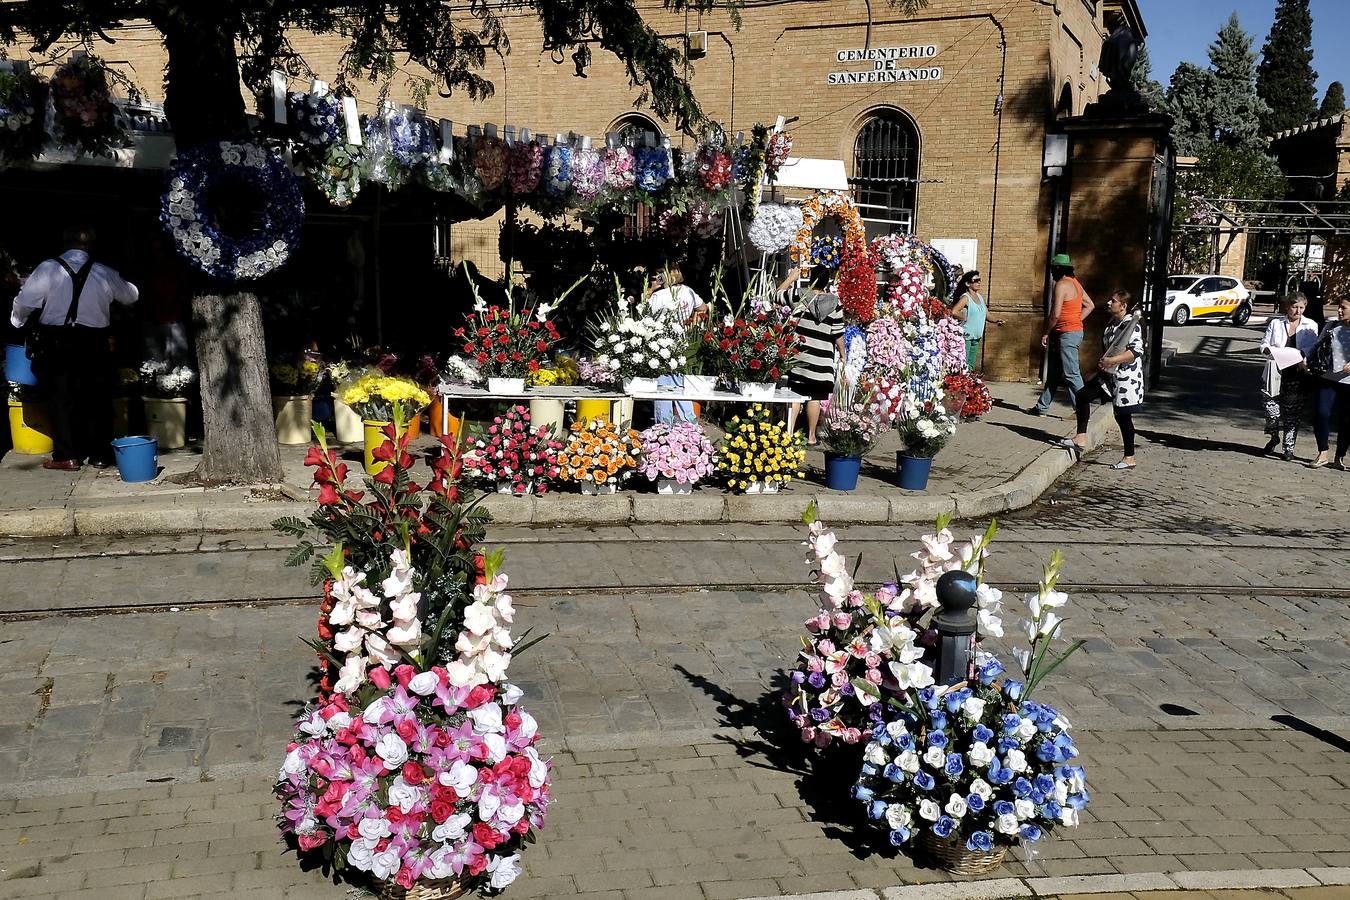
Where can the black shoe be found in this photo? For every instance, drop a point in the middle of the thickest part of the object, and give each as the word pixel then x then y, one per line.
pixel 1270 447
pixel 1036 411
pixel 1288 456
pixel 101 463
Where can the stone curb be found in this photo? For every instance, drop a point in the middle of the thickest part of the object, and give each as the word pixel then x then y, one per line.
pixel 1021 490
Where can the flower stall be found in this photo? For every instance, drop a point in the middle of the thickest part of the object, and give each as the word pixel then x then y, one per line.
pixel 415 772
pixel 963 771
pixel 513 455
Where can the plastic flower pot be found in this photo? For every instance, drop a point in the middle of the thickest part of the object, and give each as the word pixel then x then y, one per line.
pixel 413 426
pixel 18 367
pixel 671 486
pixel 841 472
pixel 347 423
pixel 762 487
pixel 757 390
pixel 590 410
pixel 547 412
pixel 912 471
pixel 322 410
pixel 437 414
pixel 26 438
pixel 638 384
pixel 700 384
pixel 509 487
pixel 166 420
pixel 137 458
pixel 506 385
pixel 591 489
pixel 293 415
pixel 374 438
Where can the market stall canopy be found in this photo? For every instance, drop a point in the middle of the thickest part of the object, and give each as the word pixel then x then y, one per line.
pixel 813 175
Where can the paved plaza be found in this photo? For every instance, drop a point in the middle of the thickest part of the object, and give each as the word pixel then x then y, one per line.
pixel 151 683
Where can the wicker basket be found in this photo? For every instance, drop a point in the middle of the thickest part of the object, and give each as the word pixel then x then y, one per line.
pixel 956 858
pixel 445 889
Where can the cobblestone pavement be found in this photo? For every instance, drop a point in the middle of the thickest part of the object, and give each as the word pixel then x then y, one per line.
pixel 137 749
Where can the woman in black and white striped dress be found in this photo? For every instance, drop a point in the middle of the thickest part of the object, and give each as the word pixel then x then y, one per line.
pixel 820 325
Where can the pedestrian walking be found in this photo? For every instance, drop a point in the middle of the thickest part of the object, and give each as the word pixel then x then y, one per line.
pixel 1283 388
pixel 669 295
pixel 1063 336
pixel 973 311
pixel 1331 365
pixel 820 326
pixel 66 305
pixel 1119 379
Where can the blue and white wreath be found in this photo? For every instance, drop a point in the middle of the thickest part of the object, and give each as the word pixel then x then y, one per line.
pixel 186 214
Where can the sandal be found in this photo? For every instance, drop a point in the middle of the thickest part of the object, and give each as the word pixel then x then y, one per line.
pixel 1123 465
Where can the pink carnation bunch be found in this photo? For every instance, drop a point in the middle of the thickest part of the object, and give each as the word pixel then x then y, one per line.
pixel 680 452
pixel 887 349
pixel 527 167
pixel 509 451
pixel 908 293
pixel 951 338
pixel 620 171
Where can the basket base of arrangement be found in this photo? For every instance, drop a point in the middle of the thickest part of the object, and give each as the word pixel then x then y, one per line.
pixel 955 857
pixel 447 889
pixel 591 489
pixel 671 486
pixel 762 487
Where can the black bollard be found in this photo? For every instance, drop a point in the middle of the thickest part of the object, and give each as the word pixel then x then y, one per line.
pixel 955 626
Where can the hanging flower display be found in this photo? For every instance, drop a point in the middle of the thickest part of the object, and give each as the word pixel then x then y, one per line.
pixel 620 169
pixel 185 211
pixel 378 162
pixel 858 282
pixel 411 139
pixel 774 226
pixel 338 176
pixel 85 117
pixel 653 168
pixel 776 153
pixel 588 174
pixel 825 251
pixel 558 175
pixel 704 220
pixel 22 132
pixel 315 120
pixel 527 167
pixel 714 169
pixel 896 251
pixel 827 204
pixel 491 162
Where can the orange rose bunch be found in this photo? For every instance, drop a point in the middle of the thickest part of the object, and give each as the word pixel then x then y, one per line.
pixel 599 453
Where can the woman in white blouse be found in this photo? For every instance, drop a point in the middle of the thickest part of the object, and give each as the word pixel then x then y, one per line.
pixel 1283 389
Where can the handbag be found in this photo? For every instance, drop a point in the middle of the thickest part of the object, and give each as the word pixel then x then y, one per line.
pixel 44 343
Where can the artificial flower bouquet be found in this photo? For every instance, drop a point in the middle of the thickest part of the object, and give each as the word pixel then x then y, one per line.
pixel 924 433
pixel 774 226
pixel 159 379
pixel 924 424
pixel 951 340
pixel 517 458
pixel 858 282
pixel 758 346
pixel 418 767
pixel 853 419
pixel 23 100
pixel 84 114
pixel 295 379
pixel 758 454
pixel 966 395
pixel 680 454
pixel 386 398
pixel 971 768
pixel 458 370
pixel 638 343
pixel 599 454
pixel 888 351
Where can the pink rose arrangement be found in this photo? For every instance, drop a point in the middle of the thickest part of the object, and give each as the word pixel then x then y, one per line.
pixel 620 169
pixel 714 169
pixel 491 162
pixel 951 338
pixel 681 453
pixel 862 647
pixel 887 349
pixel 511 453
pixel 527 167
pixel 588 174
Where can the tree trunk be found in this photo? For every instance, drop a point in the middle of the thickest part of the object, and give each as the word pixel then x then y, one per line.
pixel 240 434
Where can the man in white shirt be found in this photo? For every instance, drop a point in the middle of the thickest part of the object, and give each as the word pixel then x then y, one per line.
pixel 68 301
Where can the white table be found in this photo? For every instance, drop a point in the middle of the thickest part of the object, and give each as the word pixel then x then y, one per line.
pixel 589 392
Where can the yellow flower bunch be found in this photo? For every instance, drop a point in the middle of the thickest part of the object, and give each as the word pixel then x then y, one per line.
pixel 295 378
pixel 385 398
pixel 758 448
pixel 542 377
pixel 599 452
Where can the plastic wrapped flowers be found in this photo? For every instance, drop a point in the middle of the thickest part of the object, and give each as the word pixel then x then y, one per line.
pixel 22 135
pixel 527 167
pixel 969 768
pixel 418 766
pixel 491 162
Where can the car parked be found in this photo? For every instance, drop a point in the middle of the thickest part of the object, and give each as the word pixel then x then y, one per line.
pixel 1207 297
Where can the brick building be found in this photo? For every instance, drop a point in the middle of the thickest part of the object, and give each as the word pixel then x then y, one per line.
pixel 940 118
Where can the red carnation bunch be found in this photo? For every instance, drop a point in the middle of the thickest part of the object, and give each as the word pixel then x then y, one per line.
pixel 966 395
pixel 757 347
pixel 518 458
pixel 858 282
pixel 507 343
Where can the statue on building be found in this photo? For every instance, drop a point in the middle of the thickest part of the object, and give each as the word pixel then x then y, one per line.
pixel 1120 52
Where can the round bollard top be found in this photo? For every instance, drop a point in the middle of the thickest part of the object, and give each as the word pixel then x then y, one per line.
pixel 956 591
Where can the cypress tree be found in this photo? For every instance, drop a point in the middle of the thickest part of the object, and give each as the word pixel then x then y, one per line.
pixel 1190 101
pixel 1237 108
pixel 1333 104
pixel 1286 80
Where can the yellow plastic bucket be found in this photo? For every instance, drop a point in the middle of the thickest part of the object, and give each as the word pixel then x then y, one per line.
pixel 374 438
pixel 589 410
pixel 26 439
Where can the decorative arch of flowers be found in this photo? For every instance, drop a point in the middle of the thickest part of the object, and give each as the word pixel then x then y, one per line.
pixel 822 205
pixel 895 252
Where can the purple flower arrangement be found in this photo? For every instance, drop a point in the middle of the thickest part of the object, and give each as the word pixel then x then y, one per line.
pixel 681 453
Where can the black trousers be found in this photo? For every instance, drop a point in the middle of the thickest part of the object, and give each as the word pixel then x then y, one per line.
pixel 1124 416
pixel 75 370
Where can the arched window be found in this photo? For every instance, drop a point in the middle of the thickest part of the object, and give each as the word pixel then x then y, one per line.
pixel 886 173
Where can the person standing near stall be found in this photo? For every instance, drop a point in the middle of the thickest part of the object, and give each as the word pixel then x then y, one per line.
pixel 973 311
pixel 668 295
pixel 67 303
pixel 1331 363
pixel 820 326
pixel 1282 387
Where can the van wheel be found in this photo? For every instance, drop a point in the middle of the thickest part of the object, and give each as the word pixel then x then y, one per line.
pixel 1182 315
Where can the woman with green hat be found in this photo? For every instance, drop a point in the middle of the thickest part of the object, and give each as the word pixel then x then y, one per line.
pixel 1063 335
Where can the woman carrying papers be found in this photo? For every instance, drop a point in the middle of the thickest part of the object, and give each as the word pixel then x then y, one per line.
pixel 1288 340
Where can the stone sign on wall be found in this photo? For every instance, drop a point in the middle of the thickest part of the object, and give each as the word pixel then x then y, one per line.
pixel 886 65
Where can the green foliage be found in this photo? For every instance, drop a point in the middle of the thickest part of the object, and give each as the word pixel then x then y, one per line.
pixel 1333 103
pixel 1237 172
pixel 1285 79
pixel 1218 103
pixel 1142 80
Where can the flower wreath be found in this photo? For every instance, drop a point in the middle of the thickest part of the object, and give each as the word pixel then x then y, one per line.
pixel 818 206
pixel 187 216
pixel 895 251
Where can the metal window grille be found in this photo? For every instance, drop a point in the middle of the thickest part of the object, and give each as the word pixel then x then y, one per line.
pixel 885 174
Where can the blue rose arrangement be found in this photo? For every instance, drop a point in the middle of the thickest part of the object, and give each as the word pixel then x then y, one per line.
pixel 826 250
pixel 411 140
pixel 653 168
pixel 558 170
pixel 315 120
pixel 225 170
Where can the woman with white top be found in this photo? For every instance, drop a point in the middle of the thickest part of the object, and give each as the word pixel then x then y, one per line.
pixel 1331 362
pixel 1283 389
pixel 669 295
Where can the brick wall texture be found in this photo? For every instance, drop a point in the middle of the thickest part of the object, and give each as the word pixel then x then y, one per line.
pixel 981 169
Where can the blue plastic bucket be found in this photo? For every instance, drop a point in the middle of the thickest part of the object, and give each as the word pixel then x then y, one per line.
pixel 841 472
pixel 18 367
pixel 137 458
pixel 912 471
